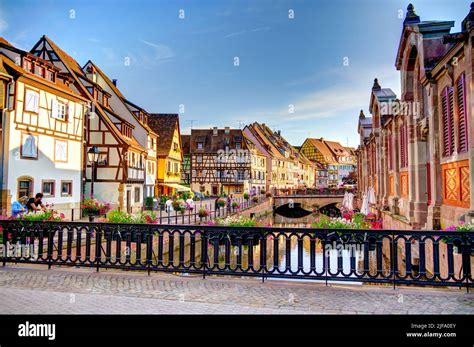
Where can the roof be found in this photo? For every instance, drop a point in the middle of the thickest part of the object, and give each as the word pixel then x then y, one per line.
pixel 119 94
pixel 164 125
pixel 320 145
pixel 338 149
pixel 213 143
pixel 75 69
pixel 59 86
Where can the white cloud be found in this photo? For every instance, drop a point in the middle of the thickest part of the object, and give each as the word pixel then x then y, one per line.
pixel 245 31
pixel 160 53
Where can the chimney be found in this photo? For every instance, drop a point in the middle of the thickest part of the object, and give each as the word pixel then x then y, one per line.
pixel 214 131
pixel 361 114
pixel 114 81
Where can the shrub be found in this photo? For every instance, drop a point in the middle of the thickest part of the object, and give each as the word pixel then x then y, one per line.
pixel 117 216
pixel 41 216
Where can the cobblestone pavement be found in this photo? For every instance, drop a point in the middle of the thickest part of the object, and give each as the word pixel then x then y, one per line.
pixel 35 290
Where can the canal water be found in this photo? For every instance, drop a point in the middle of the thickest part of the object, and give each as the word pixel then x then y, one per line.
pixel 252 256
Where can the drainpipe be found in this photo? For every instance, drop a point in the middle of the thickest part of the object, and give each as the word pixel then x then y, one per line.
pixel 5 143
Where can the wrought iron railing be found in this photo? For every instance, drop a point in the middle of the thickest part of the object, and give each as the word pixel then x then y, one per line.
pixel 381 256
pixel 312 192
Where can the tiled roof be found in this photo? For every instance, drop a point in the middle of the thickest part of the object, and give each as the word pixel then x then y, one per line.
pixel 337 148
pixel 164 125
pixel 213 143
pixel 323 149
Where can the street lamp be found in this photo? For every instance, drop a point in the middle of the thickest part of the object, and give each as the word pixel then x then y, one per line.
pixel 93 157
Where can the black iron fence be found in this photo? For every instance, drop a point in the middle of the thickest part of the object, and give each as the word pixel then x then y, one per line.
pixel 312 191
pixel 382 256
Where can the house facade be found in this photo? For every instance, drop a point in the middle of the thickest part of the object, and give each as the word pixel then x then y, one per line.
pixel 419 154
pixel 41 132
pixel 220 161
pixel 119 175
pixel 169 153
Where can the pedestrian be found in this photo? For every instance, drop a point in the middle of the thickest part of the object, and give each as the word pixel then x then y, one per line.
pixel 169 205
pixel 35 204
pixel 19 206
pixel 190 203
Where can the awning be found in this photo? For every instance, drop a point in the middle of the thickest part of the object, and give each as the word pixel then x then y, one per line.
pixel 178 187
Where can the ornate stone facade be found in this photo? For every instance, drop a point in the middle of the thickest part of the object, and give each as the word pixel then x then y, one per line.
pixel 417 151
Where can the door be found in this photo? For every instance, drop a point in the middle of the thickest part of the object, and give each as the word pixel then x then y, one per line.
pixel 214 190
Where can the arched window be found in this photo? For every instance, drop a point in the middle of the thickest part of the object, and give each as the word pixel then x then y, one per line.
pixel 25 186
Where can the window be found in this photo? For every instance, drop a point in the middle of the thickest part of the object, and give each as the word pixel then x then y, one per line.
pixel 66 188
pixel 25 187
pixel 40 71
pixel 29 146
pixel 137 194
pixel 175 146
pixel 59 110
pixel 31 101
pixel 60 151
pixel 200 145
pixel 462 122
pixel 403 146
pixel 238 145
pixel 447 100
pixel 48 188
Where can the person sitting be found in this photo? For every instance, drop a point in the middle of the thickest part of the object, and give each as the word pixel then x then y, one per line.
pixel 35 204
pixel 19 206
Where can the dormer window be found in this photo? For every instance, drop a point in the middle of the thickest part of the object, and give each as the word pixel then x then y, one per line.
pixel 40 71
pixel 126 130
pixel 28 66
pixel 106 101
pixel 49 75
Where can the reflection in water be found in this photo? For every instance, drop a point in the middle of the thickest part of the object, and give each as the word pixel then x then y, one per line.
pixel 276 252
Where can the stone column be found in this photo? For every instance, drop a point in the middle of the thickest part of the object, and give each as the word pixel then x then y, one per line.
pixel 434 143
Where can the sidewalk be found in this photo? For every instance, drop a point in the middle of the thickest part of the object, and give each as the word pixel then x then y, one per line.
pixel 34 290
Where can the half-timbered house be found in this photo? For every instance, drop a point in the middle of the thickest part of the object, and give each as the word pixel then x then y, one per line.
pixel 220 161
pixel 42 129
pixel 119 175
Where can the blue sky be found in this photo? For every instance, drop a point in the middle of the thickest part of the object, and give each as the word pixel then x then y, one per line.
pixel 190 61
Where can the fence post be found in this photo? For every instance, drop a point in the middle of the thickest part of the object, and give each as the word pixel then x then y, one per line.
pixel 466 259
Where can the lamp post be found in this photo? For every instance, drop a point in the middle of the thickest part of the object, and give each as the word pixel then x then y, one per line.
pixel 93 157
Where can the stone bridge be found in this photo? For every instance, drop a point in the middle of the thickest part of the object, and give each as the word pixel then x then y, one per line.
pixel 301 205
pixel 308 200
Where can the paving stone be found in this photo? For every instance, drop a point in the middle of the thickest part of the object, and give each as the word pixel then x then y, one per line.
pixel 34 290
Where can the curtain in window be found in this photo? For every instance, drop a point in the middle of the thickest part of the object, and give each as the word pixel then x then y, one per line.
pixel 61 151
pixel 29 148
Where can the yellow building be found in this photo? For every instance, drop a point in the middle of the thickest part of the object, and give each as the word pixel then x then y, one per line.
pixel 169 153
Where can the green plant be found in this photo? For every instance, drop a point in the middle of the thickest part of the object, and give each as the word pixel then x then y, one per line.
pixel 221 202
pixel 41 216
pixel 246 196
pixel 149 201
pixel 94 207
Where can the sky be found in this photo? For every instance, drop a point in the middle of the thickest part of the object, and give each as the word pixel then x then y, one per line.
pixel 305 67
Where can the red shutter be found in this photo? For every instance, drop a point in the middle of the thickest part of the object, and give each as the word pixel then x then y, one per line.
pixel 462 124
pixel 403 146
pixel 447 101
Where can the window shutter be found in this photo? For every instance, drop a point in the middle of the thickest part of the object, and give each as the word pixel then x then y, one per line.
pixel 462 124
pixel 54 109
pixel 447 122
pixel 451 120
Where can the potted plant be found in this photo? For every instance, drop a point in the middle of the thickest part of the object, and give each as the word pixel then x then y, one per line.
pixel 235 205
pixel 179 205
pixel 221 202
pixel 255 199
pixel 246 196
pixel 203 213
pixel 93 208
pixel 268 195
